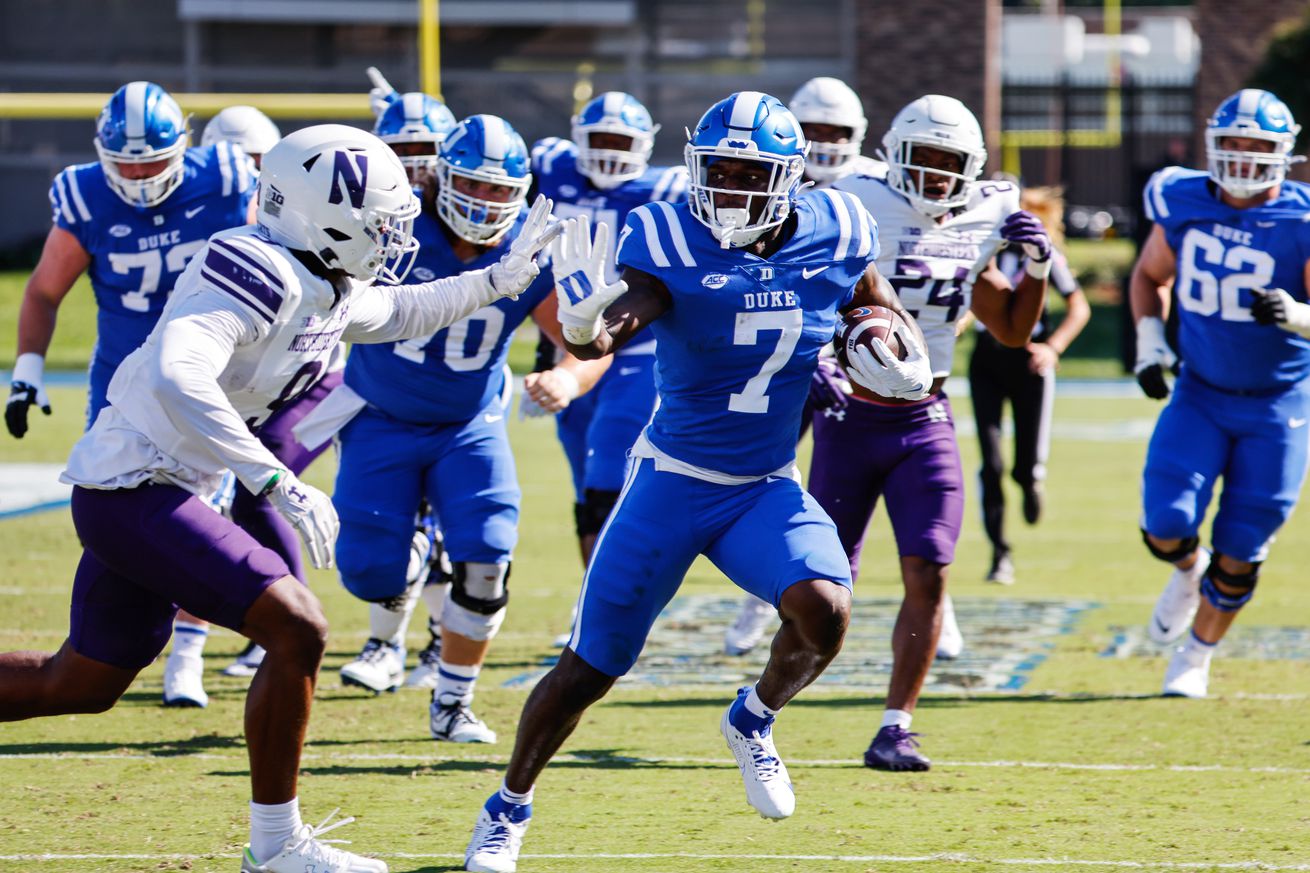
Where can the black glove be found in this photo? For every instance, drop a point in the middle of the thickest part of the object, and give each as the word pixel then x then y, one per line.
pixel 1270 307
pixel 21 396
pixel 1151 378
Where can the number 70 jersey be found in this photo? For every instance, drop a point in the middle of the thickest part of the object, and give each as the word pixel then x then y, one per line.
pixel 738 345
pixel 1222 255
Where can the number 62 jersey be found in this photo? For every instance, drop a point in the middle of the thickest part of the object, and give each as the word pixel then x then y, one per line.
pixel 932 265
pixel 1222 254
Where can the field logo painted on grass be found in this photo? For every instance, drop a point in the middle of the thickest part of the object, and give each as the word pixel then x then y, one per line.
pixel 27 488
pixel 1004 641
pixel 1251 642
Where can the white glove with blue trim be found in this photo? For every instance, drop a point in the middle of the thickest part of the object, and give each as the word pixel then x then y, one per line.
pixel 578 263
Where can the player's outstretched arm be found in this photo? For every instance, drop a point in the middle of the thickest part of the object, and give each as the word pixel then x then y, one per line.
pixel 397 312
pixel 1011 312
pixel 553 389
pixel 62 260
pixel 1149 290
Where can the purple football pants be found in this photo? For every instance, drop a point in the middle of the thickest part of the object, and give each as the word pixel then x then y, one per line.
pixel 907 453
pixel 147 551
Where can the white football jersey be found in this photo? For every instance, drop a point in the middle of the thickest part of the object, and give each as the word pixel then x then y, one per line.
pixel 933 265
pixel 247 330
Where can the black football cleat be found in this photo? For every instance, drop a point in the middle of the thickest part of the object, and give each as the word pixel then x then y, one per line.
pixel 895 748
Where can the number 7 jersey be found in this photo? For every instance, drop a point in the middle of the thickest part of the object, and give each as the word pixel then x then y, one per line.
pixel 1222 254
pixel 739 343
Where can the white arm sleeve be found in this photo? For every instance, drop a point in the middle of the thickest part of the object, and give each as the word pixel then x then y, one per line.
pixel 195 345
pixel 386 313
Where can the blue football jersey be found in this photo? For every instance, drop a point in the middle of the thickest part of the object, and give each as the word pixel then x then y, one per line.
pixel 737 348
pixel 1222 254
pixel 555 173
pixel 451 375
pixel 138 253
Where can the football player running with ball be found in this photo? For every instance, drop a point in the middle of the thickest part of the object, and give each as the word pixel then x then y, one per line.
pixel 742 287
pixel 1232 243
pixel 252 324
pixel 940 229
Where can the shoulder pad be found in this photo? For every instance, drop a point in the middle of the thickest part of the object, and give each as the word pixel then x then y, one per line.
pixel 249 269
pixel 67 201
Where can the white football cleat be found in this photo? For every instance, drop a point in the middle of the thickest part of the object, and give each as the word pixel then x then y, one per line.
pixel 752 621
pixel 306 853
pixel 424 675
pixel 379 667
pixel 184 683
pixel 1177 605
pixel 768 787
pixel 247 663
pixel 1188 674
pixel 950 642
pixel 494 846
pixel 457 724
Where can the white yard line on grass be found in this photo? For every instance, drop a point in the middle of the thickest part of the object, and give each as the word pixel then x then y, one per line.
pixel 419 760
pixel 948 857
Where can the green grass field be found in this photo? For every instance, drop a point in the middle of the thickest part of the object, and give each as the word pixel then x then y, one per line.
pixel 1079 767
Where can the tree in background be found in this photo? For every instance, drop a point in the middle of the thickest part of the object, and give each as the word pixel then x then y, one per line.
pixel 1285 70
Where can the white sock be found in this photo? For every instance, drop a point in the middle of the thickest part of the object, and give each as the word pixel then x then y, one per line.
pixel 455 683
pixel 271 825
pixel 898 717
pixel 755 706
pixel 189 639
pixel 1198 649
pixel 513 797
pixel 434 596
pixel 389 624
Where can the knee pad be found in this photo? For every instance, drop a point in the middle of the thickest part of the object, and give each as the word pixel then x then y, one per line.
pixel 475 606
pixel 590 515
pixel 1243 583
pixel 1185 548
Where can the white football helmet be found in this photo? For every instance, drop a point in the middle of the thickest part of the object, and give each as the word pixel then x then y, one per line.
pixel 824 100
pixel 343 195
pixel 941 123
pixel 246 126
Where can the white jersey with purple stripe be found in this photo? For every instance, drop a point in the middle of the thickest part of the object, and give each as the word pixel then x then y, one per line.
pixel 932 264
pixel 137 253
pixel 251 330
pixel 740 341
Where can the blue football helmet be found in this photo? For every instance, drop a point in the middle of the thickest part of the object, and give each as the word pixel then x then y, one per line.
pixel 419 123
pixel 141 124
pixel 748 126
pixel 482 150
pixel 1253 114
pixel 616 113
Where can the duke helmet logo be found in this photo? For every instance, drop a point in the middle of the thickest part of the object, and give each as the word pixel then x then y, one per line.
pixel 351 168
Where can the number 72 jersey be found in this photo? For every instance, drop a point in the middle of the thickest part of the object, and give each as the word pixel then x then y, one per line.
pixel 137 254
pixel 1222 255
pixel 739 343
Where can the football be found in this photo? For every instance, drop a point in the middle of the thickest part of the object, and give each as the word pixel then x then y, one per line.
pixel 861 326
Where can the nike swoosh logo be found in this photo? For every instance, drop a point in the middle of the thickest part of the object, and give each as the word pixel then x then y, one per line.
pixel 807 273
pixel 192 213
pixel 491 419
pixel 1265 223
pixel 768 479
pixel 1164 628
pixel 1296 422
pixel 628 371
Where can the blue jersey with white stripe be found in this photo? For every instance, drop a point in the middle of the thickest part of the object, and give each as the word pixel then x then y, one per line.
pixel 450 375
pixel 1222 254
pixel 739 344
pixel 555 172
pixel 138 253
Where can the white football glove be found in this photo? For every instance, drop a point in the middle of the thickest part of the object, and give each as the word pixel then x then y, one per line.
pixel 512 274
pixel 25 391
pixel 578 263
pixel 1154 358
pixel 910 379
pixel 382 94
pixel 311 513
